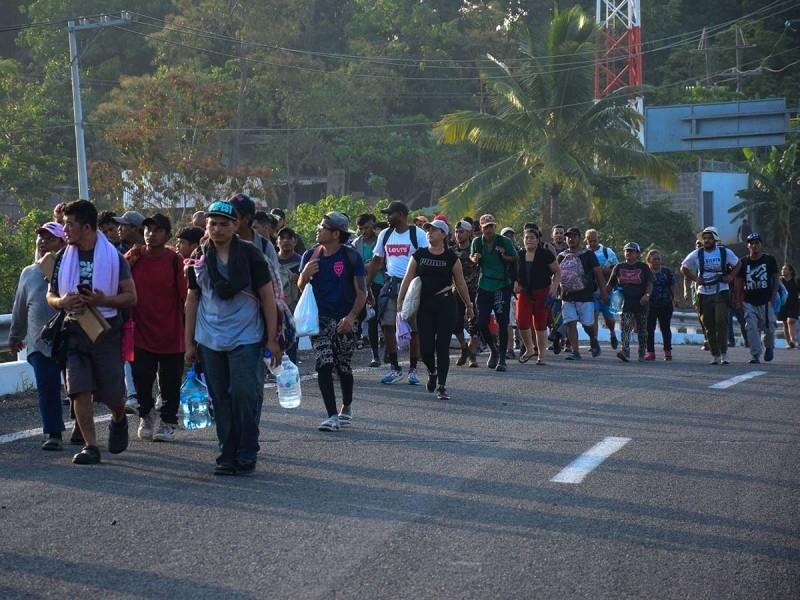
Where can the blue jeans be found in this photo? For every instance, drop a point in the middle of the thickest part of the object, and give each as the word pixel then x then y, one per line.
pixel 48 388
pixel 236 383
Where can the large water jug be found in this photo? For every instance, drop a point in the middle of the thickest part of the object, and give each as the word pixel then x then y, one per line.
pixel 287 381
pixel 194 402
pixel 616 300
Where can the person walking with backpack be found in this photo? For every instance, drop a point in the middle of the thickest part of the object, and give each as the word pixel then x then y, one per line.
pixel 393 250
pixel 462 247
pixel 637 284
pixel 607 259
pixel 493 254
pixel 712 268
pixel 336 273
pixel 662 300
pixel 757 284
pixel 364 244
pixel 580 275
pixel 440 272
pixel 790 311
pixel 159 342
pixel 231 319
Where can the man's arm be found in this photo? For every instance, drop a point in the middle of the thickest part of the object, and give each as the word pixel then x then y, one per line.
pixel 601 283
pixel 190 308
pixel 125 298
pixel 269 311
pixel 348 322
pixel 19 318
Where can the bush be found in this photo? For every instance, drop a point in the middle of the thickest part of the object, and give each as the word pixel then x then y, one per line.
pixel 306 217
pixel 17 251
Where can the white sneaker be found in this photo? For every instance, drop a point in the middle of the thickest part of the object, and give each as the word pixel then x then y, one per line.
pixel 345 417
pixel 145 432
pixel 165 432
pixel 330 424
pixel 132 405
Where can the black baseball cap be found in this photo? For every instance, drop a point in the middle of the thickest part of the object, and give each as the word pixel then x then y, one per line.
pixel 158 220
pixel 243 204
pixel 754 237
pixel 395 207
pixel 278 212
pixel 573 231
pixel 193 235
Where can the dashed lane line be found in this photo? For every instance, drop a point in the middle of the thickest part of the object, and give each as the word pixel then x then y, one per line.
pixel 725 384
pixel 578 469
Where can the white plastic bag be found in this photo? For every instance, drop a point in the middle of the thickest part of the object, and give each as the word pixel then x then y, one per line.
pixel 306 314
pixel 411 300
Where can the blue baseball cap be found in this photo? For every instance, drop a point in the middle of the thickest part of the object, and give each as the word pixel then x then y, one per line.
pixel 220 208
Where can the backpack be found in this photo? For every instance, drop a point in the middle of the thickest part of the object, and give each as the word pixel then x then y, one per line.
pixel 572 273
pixel 412 232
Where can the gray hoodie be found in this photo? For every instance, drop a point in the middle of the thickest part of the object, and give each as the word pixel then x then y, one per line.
pixel 31 311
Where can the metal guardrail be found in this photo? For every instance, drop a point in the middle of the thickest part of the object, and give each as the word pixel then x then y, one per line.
pixel 5 328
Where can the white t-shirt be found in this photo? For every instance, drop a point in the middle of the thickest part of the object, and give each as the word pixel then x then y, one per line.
pixel 398 250
pixel 712 269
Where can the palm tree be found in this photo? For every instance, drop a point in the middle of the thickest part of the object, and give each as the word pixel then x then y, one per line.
pixel 549 134
pixel 773 198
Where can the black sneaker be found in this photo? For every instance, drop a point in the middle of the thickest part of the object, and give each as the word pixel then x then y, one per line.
pixel 622 355
pixel 226 469
pixel 53 442
pixel 573 356
pixel 493 360
pixel 76 437
pixel 557 343
pixel 462 360
pixel 501 366
pixel 245 469
pixel 594 346
pixel 89 455
pixel 118 436
pixel 375 362
pixel 431 385
pixel 614 341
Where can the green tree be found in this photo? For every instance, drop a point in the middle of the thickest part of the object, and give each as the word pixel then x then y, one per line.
pixel 17 248
pixel 773 199
pixel 548 134
pixel 306 217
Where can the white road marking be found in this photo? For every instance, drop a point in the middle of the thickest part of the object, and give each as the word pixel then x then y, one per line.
pixel 578 469
pixel 724 385
pixel 21 435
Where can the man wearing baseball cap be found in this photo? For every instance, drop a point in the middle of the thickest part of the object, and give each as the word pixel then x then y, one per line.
pixel 757 286
pixel 131 230
pixel 493 255
pixel 29 315
pixel 636 280
pixel 159 341
pixel 393 250
pixel 336 273
pixel 712 268
pixel 462 248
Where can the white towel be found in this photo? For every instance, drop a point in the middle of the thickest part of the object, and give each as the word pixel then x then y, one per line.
pixel 105 274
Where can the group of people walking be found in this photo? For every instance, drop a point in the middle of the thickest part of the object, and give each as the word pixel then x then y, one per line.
pixel 224 294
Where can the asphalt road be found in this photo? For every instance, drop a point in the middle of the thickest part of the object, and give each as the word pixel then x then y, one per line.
pixel 427 499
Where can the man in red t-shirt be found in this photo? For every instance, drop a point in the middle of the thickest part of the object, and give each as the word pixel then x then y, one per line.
pixel 159 346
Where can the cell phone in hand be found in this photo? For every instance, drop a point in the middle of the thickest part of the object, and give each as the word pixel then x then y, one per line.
pixel 84 288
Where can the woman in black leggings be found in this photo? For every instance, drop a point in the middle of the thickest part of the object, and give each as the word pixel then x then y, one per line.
pixel 662 300
pixel 438 269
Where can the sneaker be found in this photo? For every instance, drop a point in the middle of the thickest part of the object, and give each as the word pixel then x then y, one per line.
pixel 225 469
pixel 431 385
pixel 375 362
pixel 667 354
pixel 245 469
pixel 132 405
pixel 53 442
pixel 441 394
pixel 165 432
pixel 614 341
pixel 622 355
pixel 501 366
pixel 392 376
pixel 706 347
pixel 493 360
pixel 724 360
pixel 473 361
pixel 412 377
pixel 346 416
pixel 118 436
pixel 594 347
pixel 768 354
pixel 76 437
pixel 573 356
pixel 462 360
pixel 145 431
pixel 330 424
pixel 510 355
pixel 89 455
pixel 715 360
pixel 650 356
pixel 557 343
pixel 756 360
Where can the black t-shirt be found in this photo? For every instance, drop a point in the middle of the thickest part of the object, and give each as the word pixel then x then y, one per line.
pixel 535 274
pixel 434 270
pixel 589 262
pixel 759 277
pixel 634 279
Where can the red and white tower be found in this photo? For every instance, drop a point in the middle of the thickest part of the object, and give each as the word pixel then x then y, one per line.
pixel 618 62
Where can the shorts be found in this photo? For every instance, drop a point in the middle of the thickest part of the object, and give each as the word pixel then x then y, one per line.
pixel 389 314
pixel 578 311
pixel 95 368
pixel 331 348
pixel 603 308
pixel 532 310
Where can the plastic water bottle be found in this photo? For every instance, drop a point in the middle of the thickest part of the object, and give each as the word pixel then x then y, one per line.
pixel 287 380
pixel 194 403
pixel 616 301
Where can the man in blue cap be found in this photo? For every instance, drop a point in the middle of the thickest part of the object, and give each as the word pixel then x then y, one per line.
pixel 757 286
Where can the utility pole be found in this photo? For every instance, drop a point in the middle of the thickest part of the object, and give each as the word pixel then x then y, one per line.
pixel 77 109
pixel 703 47
pixel 741 44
